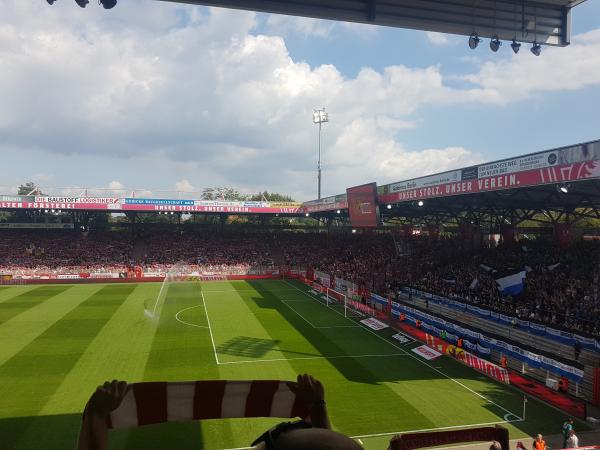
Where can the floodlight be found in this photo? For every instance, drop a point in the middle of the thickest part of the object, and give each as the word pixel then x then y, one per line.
pixel 474 41
pixel 563 188
pixel 389 206
pixel 536 49
pixel 515 46
pixel 307 214
pixel 495 44
pixel 320 116
pixel 420 203
pixel 338 211
pixel 353 230
pixel 45 210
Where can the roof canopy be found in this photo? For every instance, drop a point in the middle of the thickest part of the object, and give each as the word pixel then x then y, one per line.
pixel 543 21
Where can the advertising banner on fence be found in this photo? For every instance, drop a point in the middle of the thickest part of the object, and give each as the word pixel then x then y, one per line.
pixel 374 324
pixel 426 352
pixel 402 338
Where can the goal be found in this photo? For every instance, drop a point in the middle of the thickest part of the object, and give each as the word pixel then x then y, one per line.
pixel 340 302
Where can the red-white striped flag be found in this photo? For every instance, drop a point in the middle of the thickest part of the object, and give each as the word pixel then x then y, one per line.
pixel 158 402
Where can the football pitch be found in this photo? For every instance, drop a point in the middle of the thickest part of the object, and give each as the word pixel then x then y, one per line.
pixel 58 342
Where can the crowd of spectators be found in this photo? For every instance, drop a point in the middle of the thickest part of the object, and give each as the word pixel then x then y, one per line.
pixel 561 287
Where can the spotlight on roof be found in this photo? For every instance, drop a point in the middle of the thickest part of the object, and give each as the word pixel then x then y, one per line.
pixel 389 206
pixel 473 41
pixel 495 44
pixel 307 214
pixel 353 230
pixel 515 46
pixel 563 188
pixel 338 211
pixel 45 210
pixel 536 49
pixel 420 203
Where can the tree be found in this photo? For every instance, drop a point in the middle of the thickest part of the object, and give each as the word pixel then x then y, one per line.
pixel 223 193
pixel 29 188
pixel 271 197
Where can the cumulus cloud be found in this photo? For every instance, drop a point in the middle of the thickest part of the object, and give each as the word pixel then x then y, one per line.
pixel 521 76
pixel 439 39
pixel 199 91
pixel 184 186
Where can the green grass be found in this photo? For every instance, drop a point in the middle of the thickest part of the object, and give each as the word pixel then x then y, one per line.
pixel 59 342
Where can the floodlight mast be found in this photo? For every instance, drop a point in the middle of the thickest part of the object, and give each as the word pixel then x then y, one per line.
pixel 320 117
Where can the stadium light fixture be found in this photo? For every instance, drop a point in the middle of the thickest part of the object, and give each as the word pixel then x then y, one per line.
pixel 495 44
pixel 420 203
pixel 45 210
pixel 338 211
pixel 563 188
pixel 473 41
pixel 353 230
pixel 536 49
pixel 389 206
pixel 515 46
pixel 307 214
pixel 319 117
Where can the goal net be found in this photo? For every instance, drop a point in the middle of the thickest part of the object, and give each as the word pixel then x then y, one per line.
pixel 180 287
pixel 340 302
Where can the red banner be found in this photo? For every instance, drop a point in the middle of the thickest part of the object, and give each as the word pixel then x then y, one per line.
pixel 558 174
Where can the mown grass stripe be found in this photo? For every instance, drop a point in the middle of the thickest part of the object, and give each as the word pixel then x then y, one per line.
pixel 23 328
pixel 29 378
pixel 29 299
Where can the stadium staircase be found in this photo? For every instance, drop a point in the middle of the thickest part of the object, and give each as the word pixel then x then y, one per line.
pixel 587 358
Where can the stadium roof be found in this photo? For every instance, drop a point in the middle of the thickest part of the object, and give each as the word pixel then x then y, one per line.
pixel 552 182
pixel 543 21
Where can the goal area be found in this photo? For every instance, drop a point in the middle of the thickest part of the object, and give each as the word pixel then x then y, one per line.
pixel 338 301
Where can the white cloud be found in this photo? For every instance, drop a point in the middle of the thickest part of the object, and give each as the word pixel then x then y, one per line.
pixel 184 186
pixel 557 69
pixel 439 39
pixel 198 99
pixel 116 185
pixel 305 26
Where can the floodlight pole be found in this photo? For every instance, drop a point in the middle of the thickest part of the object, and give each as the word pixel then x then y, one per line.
pixel 320 117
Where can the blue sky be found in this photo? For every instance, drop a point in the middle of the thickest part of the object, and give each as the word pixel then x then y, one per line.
pixel 160 97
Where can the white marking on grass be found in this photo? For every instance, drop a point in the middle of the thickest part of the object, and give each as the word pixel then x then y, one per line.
pixel 212 339
pixel 285 302
pixel 419 360
pixel 188 323
pixel 453 427
pixel 360 442
pixel 251 361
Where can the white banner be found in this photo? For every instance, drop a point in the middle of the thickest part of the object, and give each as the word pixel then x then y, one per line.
pixel 374 324
pixel 402 338
pixel 426 352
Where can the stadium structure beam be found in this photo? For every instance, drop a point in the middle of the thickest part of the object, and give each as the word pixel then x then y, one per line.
pixel 542 21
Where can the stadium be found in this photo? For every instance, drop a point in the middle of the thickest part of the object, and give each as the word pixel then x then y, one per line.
pixel 454 308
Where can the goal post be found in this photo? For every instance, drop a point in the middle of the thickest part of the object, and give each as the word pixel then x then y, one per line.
pixel 335 298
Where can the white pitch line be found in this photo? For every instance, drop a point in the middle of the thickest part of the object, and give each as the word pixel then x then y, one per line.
pixel 188 323
pixel 250 361
pixel 212 339
pixel 421 361
pixel 315 326
pixel 453 427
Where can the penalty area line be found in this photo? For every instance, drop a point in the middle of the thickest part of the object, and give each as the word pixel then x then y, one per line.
pixel 416 358
pixel 424 430
pixel 252 361
pixel 212 339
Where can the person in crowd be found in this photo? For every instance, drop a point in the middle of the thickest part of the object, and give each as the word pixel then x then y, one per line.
pixel 572 440
pixel 539 443
pixel 563 384
pixel 312 433
pixel 495 445
pixel 567 427
pixel 576 350
pixel 504 365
